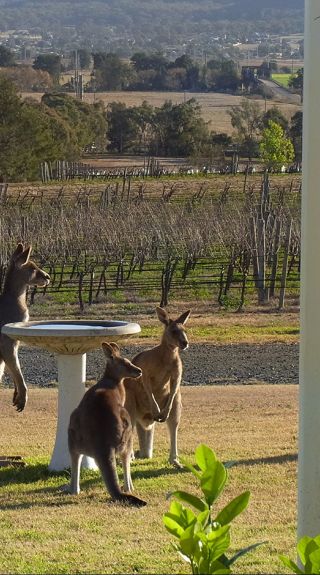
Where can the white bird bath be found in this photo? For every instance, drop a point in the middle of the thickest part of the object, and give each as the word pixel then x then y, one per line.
pixel 70 340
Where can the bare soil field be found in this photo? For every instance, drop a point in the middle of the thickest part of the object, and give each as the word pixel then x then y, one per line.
pixel 215 106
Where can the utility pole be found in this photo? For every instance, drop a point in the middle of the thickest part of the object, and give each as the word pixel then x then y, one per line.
pixel 78 78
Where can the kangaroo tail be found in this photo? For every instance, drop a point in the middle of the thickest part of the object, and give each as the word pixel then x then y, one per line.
pixel 107 466
pixel 129 499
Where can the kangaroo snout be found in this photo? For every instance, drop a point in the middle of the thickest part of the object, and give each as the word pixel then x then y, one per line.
pixel 183 344
pixel 136 371
pixel 43 281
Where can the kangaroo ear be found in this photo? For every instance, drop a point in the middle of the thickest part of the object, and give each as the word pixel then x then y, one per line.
pixel 108 350
pixel 163 315
pixel 115 348
pixel 24 256
pixel 183 318
pixel 17 252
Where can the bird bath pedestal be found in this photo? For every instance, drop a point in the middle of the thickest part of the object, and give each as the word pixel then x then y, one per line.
pixel 70 340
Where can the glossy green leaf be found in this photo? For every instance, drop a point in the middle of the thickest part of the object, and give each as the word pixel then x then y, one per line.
pixel 290 564
pixel 218 568
pixel 234 508
pixel 188 541
pixel 191 468
pixel 213 481
pixel 205 457
pixel 172 525
pixel 313 562
pixel 310 548
pixel 192 500
pixel 302 547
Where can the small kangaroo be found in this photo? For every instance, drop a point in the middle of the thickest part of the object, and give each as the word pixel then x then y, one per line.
pixel 100 427
pixel 21 273
pixel 156 396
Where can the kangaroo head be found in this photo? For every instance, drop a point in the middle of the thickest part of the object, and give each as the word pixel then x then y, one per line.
pixel 119 367
pixel 174 334
pixel 29 273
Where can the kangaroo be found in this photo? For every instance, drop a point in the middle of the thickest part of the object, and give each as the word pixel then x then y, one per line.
pixel 156 395
pixel 21 273
pixel 100 427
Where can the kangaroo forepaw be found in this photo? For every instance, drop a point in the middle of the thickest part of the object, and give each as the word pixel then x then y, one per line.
pixel 19 400
pixel 163 416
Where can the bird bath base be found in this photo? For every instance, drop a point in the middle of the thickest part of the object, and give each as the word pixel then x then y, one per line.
pixel 70 340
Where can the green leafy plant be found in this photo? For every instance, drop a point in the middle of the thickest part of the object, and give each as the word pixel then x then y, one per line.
pixel 308 549
pixel 204 538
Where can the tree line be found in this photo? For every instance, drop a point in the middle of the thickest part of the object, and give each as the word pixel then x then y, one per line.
pixel 156 72
pixel 144 71
pixel 61 127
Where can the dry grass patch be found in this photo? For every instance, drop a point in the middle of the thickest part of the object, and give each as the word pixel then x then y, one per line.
pixel 215 106
pixel 44 531
pixel 207 322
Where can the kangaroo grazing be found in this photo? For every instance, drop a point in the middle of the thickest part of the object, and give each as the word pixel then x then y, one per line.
pixel 156 396
pixel 21 273
pixel 100 427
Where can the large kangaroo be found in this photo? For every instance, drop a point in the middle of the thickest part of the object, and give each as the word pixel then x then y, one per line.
pixel 22 272
pixel 156 396
pixel 100 427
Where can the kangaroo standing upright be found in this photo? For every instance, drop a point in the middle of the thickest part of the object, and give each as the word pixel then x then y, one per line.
pixel 100 427
pixel 22 272
pixel 156 396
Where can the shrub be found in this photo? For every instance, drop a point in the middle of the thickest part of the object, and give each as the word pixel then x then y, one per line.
pixel 204 537
pixel 308 549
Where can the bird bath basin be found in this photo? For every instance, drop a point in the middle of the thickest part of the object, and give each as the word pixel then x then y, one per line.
pixel 70 341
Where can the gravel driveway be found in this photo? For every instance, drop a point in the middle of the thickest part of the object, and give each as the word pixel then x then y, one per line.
pixel 204 364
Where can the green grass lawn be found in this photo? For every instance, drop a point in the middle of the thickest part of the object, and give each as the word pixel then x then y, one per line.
pixel 43 530
pixel 282 79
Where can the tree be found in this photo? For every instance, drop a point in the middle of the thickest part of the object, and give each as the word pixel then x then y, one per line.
pixel 87 122
pixel 130 129
pixel 275 115
pixel 296 81
pixel 28 135
pixel 29 80
pixel 6 57
pixel 50 63
pixel 246 119
pixel 180 129
pixel 275 148
pixel 295 132
pixel 122 127
pixel 111 73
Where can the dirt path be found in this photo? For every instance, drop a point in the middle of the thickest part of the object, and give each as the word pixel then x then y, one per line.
pixel 282 94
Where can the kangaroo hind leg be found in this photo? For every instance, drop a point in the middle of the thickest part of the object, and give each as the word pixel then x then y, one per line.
pixel 145 441
pixel 173 425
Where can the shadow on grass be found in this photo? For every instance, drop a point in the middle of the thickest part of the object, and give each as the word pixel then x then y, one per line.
pixel 57 497
pixel 138 474
pixel 29 474
pixel 274 459
pixel 33 474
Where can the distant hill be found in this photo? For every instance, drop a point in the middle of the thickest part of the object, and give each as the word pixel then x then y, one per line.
pixel 152 22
